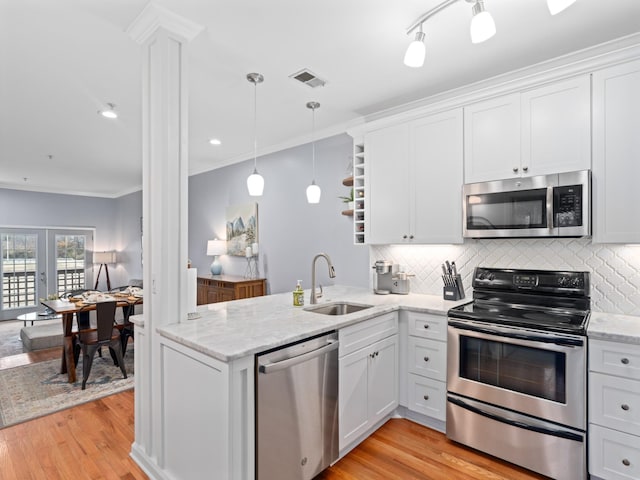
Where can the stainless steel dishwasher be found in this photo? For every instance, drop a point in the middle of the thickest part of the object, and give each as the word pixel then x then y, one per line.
pixel 297 409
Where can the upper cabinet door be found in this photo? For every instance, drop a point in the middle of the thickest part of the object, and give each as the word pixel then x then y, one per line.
pixel 616 154
pixel 436 151
pixel 492 139
pixel 388 184
pixel 556 127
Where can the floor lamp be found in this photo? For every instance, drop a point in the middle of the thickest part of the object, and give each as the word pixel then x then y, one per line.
pixel 104 259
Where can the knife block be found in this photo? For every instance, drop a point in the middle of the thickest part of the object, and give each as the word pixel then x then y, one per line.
pixel 455 292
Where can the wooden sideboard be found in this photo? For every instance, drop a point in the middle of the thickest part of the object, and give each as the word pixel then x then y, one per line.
pixel 220 288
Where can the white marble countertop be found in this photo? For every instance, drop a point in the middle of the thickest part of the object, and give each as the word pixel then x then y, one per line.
pixel 231 330
pixel 614 327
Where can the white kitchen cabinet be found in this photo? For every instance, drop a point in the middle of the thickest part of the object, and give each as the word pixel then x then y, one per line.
pixel 427 366
pixel 616 150
pixel 492 139
pixel 614 410
pixel 540 131
pixel 368 380
pixel 414 181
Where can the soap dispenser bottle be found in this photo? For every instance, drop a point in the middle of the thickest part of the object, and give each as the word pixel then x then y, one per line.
pixel 298 295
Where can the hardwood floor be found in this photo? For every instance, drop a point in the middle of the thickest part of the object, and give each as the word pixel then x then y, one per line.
pixel 403 450
pixel 93 440
pixel 30 357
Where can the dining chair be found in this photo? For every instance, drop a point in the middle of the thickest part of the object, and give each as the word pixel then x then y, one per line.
pixel 106 334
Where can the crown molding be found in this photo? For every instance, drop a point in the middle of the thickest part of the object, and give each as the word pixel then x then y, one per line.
pixel 154 17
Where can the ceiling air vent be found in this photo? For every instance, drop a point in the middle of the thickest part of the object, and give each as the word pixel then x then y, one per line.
pixel 308 78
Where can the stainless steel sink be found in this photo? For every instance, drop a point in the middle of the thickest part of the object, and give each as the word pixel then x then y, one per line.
pixel 337 308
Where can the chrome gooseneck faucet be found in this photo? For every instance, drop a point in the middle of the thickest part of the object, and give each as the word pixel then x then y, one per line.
pixel 332 274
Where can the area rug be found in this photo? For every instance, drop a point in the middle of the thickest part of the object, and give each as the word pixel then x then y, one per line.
pixel 31 391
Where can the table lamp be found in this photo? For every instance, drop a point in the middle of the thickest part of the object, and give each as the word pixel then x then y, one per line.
pixel 104 259
pixel 216 248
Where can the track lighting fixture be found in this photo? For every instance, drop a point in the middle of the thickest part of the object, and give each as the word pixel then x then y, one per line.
pixel 255 182
pixel 481 29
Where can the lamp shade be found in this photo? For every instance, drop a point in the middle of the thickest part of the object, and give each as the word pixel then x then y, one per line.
pixel 482 25
pixel 414 57
pixel 313 193
pixel 255 184
pixel 556 6
pixel 104 257
pixel 216 247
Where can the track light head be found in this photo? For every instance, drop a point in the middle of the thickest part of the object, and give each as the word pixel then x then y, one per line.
pixel 482 25
pixel 414 57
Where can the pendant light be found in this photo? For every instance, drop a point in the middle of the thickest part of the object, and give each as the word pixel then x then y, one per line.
pixel 255 182
pixel 482 25
pixel 556 6
pixel 313 190
pixel 414 57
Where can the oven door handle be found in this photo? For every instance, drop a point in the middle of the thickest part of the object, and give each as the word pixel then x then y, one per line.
pixel 563 341
pixel 534 428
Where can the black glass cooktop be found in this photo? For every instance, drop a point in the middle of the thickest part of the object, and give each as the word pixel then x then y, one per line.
pixel 539 318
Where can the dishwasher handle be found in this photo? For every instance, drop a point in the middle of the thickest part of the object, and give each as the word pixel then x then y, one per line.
pixel 289 362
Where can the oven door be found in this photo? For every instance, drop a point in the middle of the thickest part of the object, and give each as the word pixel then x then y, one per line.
pixel 535 373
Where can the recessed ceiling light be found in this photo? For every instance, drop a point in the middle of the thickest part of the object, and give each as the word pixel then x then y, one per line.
pixel 109 112
pixel 215 141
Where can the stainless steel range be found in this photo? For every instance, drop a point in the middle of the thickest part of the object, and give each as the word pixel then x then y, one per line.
pixel 516 369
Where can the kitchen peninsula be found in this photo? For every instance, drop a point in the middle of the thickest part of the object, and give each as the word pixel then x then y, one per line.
pixel 207 371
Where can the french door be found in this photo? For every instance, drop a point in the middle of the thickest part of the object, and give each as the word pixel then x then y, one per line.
pixel 38 263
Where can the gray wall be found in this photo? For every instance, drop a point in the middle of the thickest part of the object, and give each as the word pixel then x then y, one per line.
pixel 48 210
pixel 290 231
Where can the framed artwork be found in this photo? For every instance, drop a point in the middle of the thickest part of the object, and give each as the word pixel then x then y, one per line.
pixel 242 228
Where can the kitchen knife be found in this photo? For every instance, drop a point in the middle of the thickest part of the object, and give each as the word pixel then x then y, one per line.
pixel 444 269
pixel 454 270
pixel 446 262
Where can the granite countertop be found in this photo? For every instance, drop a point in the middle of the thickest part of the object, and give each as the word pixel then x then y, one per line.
pixel 614 327
pixel 232 330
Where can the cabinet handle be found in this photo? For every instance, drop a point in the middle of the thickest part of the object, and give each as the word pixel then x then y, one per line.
pixel 624 406
pixel 625 361
pixel 626 462
pixel 426 359
pixel 404 237
pixel 426 326
pixel 426 397
pixel 515 169
pixel 410 237
pixel 525 169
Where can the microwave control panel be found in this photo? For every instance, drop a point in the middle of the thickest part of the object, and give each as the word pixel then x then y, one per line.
pixel 567 206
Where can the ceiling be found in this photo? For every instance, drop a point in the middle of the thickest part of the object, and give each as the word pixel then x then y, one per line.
pixel 63 60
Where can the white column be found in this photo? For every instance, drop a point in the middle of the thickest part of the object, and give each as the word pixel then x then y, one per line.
pixel 163 36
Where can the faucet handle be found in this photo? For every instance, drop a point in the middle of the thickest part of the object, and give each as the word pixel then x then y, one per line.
pixel 318 295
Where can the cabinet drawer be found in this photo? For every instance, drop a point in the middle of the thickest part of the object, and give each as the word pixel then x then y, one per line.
pixel 363 334
pixel 428 397
pixel 428 358
pixel 613 455
pixel 614 402
pixel 427 325
pixel 622 359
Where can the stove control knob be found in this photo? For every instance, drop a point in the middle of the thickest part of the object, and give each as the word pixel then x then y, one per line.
pixel 563 281
pixel 491 276
pixel 576 282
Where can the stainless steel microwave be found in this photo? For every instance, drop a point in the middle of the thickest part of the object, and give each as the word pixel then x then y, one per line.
pixel 541 206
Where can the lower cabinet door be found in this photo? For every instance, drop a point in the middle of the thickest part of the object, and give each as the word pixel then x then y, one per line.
pixel 353 396
pixel 383 378
pixel 613 455
pixel 428 397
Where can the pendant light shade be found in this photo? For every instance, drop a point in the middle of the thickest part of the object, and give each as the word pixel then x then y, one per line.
pixel 414 57
pixel 482 25
pixel 255 182
pixel 313 190
pixel 313 193
pixel 556 6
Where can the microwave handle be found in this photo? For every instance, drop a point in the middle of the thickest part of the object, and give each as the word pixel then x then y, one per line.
pixel 550 209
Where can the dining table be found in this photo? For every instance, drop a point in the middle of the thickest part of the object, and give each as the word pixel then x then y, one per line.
pixel 68 309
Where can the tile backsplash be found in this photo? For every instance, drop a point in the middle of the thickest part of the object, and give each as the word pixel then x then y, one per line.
pixel 615 269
